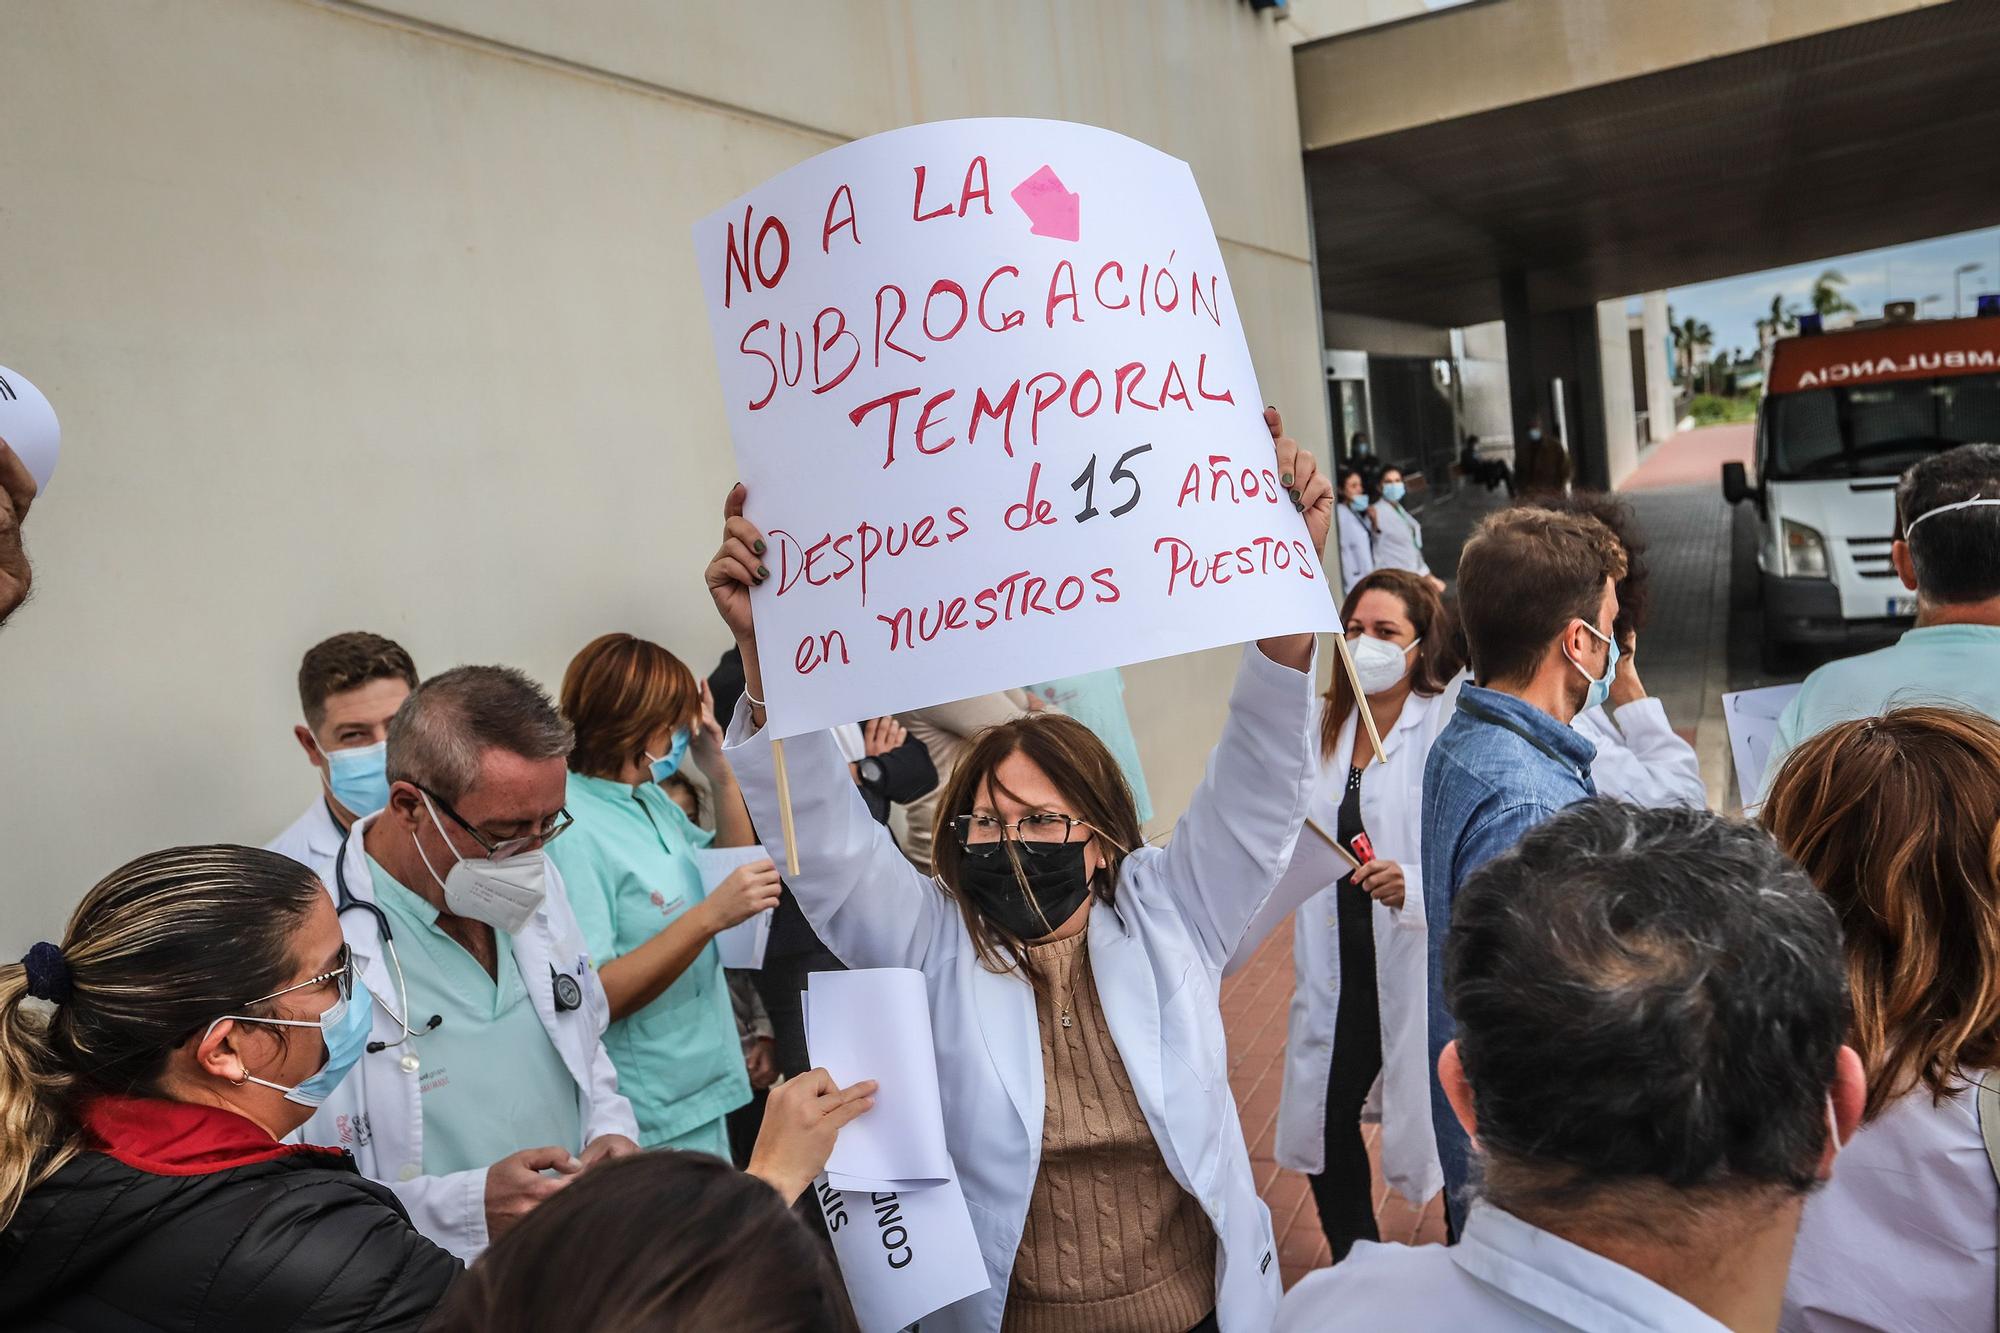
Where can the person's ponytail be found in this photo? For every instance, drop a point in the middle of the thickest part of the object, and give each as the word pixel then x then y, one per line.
pixel 34 1140
pixel 156 950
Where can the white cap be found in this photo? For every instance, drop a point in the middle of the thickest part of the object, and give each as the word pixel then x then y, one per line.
pixel 28 425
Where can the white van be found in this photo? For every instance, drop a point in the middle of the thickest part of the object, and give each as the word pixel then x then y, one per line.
pixel 1843 414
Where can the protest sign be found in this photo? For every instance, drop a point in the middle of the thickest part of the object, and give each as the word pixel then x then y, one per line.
pixel 742 945
pixel 876 1023
pixel 991 398
pixel 1752 719
pixel 902 1255
pixel 28 425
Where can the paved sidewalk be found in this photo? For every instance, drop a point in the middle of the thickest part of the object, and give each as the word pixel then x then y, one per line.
pixel 1254 1006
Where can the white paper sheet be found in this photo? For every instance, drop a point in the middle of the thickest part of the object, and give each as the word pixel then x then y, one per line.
pixel 1315 867
pixel 743 944
pixel 990 394
pixel 876 1023
pixel 28 425
pixel 902 1256
pixel 1752 719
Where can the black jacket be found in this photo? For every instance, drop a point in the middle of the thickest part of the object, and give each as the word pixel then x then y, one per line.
pixel 300 1242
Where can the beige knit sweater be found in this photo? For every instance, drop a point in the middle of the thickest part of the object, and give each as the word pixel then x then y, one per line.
pixel 1112 1243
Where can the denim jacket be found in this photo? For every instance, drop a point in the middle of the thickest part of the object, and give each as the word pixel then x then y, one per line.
pixel 1500 767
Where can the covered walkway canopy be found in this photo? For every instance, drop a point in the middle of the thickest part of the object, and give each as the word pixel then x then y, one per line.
pixel 1547 154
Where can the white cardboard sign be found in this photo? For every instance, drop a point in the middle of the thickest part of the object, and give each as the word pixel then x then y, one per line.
pixel 741 945
pixel 1751 717
pixel 28 425
pixel 991 397
pixel 902 1255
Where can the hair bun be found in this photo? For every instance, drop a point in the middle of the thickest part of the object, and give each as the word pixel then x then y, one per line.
pixel 49 977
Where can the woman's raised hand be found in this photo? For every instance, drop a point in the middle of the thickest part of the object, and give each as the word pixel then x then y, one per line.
pixel 738 567
pixel 1298 472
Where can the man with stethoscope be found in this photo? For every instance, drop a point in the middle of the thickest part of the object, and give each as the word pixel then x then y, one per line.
pixel 485 1084
pixel 349 687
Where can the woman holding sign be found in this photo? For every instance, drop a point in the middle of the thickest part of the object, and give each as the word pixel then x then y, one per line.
pixel 1358 947
pixel 629 865
pixel 1072 978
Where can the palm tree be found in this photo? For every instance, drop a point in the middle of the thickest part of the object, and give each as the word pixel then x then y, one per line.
pixel 1691 339
pixel 1827 298
pixel 1777 324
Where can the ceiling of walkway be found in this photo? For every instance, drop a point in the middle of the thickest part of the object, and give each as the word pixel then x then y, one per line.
pixel 1868 135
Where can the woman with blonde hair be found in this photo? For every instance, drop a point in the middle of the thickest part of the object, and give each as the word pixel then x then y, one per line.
pixel 1897 820
pixel 201 1003
pixel 1072 977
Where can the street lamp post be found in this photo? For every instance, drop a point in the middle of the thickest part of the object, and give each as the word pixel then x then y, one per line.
pixel 1957 277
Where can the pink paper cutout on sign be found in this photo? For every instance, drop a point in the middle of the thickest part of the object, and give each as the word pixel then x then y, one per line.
pixel 1051 209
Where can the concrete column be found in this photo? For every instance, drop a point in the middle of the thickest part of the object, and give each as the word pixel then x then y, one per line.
pixel 1614 360
pixel 1659 387
pixel 1523 390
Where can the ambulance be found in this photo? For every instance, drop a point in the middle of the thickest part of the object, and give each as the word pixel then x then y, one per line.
pixel 1843 414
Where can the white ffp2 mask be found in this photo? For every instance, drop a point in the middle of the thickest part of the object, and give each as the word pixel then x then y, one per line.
pixel 1380 663
pixel 505 893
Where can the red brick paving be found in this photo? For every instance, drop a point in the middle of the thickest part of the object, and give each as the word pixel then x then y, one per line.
pixel 1254 1007
pixel 1694 457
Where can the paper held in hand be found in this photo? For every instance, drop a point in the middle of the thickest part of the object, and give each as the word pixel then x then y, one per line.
pixel 1318 863
pixel 28 425
pixel 742 945
pixel 990 395
pixel 876 1023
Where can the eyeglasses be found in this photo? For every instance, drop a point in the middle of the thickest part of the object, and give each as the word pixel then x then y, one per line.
pixel 501 848
pixel 342 975
pixel 1031 831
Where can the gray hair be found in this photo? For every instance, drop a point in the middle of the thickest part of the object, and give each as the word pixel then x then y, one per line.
pixel 448 722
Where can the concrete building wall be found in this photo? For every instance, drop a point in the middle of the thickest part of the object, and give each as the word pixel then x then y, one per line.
pixel 386 317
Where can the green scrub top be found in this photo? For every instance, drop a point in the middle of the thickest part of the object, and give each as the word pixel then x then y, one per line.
pixel 629 866
pixel 489 1080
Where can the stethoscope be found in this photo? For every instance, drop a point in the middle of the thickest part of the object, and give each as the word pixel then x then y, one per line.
pixel 343 898
pixel 566 993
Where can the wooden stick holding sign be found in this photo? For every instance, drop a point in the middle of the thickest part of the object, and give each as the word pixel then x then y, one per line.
pixel 1360 698
pixel 785 808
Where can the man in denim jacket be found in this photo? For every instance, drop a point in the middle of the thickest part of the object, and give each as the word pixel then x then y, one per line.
pixel 1537 597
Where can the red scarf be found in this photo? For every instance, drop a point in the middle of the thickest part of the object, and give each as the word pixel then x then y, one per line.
pixel 167 1138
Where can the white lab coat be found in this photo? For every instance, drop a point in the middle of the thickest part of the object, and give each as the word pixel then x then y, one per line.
pixel 1503 1276
pixel 1903 1236
pixel 1357 545
pixel 375 1112
pixel 1392 808
pixel 1157 959
pixel 1399 539
pixel 1640 759
pixel 313 840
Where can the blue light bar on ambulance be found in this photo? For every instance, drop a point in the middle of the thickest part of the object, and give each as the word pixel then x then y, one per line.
pixel 1989 304
pixel 1809 326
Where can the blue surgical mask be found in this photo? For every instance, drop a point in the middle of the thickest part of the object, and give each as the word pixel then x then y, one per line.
pixel 1600 686
pixel 1359 504
pixel 670 763
pixel 1393 492
pixel 343 1027
pixel 358 778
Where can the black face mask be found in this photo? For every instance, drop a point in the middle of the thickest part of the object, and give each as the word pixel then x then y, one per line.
pixel 1057 886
